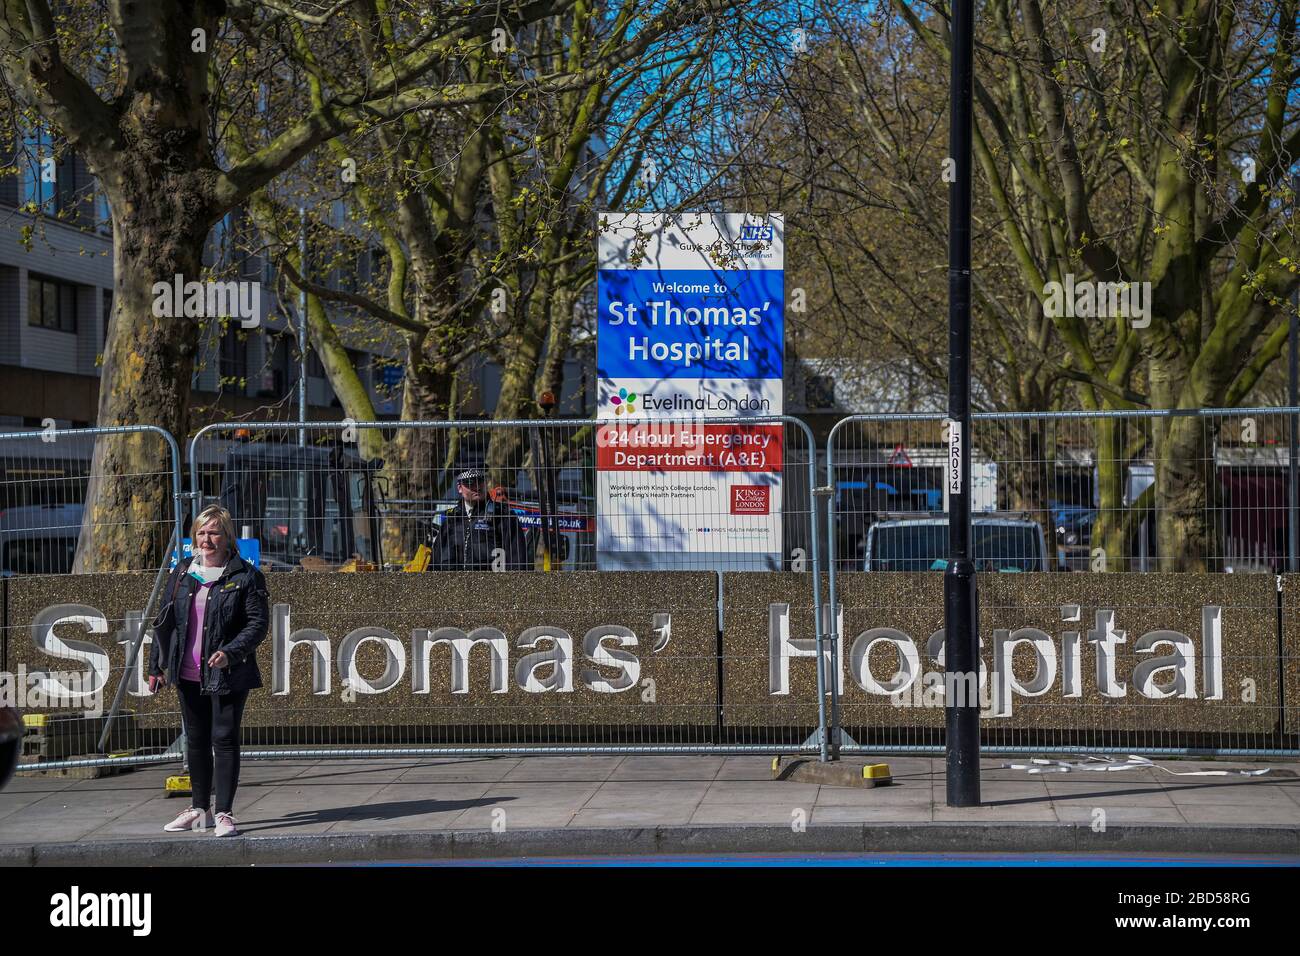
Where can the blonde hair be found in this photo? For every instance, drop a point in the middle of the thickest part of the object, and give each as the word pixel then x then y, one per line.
pixel 223 519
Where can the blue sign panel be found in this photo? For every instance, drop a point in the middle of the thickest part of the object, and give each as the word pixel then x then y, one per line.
pixel 690 323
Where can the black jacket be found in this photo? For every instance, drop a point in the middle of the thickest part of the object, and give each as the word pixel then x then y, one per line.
pixel 235 620
pixel 465 542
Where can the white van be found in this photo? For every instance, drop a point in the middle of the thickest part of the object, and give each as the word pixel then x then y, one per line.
pixel 919 542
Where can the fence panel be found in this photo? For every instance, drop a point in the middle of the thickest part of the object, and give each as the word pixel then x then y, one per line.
pixel 45 477
pixel 46 531
pixel 380 497
pixel 1203 490
pixel 1181 659
pixel 473 657
pixel 681 493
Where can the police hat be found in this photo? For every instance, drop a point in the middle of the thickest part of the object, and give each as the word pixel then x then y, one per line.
pixel 470 475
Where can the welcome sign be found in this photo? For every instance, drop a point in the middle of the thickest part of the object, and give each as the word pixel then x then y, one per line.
pixel 690 325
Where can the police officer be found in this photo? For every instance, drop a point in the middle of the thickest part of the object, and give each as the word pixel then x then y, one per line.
pixel 477 527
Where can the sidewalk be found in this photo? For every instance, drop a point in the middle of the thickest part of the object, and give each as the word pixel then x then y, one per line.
pixel 331 810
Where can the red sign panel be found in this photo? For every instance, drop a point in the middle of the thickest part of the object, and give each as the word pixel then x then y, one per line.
pixel 650 447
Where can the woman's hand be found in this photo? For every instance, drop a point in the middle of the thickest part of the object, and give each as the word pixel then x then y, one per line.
pixel 218 659
pixel 155 682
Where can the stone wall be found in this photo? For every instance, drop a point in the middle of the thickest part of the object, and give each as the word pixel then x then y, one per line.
pixel 623 656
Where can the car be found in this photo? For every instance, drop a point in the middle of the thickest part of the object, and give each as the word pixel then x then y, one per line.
pixel 11 742
pixel 1074 526
pixel 39 539
pixel 1074 537
pixel 919 542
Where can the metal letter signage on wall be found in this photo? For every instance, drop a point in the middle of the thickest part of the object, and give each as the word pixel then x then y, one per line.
pixel 1090 652
pixel 690 325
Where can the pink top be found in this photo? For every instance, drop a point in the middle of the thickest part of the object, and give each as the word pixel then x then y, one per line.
pixel 190 662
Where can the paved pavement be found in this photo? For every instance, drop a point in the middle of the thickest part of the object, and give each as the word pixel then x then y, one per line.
pixel 392 809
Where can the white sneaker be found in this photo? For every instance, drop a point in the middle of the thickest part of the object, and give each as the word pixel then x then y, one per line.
pixel 226 825
pixel 190 819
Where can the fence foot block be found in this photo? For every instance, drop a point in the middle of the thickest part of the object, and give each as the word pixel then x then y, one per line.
pixel 72 773
pixel 840 773
pixel 178 785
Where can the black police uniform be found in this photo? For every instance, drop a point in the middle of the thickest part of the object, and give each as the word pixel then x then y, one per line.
pixel 466 540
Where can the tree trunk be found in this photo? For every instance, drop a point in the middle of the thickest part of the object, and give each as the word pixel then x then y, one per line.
pixel 518 379
pixel 1108 530
pixel 148 362
pixel 1184 507
pixel 414 457
pixel 558 337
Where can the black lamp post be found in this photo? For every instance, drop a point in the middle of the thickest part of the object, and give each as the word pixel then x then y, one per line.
pixel 960 604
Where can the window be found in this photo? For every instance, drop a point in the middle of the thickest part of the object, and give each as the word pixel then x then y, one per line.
pixel 49 173
pixel 241 245
pixel 280 370
pixel 347 273
pixel 108 316
pixel 8 184
pixel 250 267
pixel 234 358
pixel 819 391
pixel 103 213
pixel 375 266
pixel 66 197
pixel 51 304
pixel 35 148
pixel 388 373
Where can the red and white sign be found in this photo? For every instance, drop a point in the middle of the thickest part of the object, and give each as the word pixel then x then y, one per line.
pixel 751 499
pixel 694 447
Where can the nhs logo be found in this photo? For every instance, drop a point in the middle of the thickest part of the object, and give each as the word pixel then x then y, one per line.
pixel 761 233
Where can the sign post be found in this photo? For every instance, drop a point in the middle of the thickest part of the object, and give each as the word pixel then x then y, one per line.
pixel 960 605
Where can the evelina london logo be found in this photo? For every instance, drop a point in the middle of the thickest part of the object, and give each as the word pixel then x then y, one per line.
pixel 624 402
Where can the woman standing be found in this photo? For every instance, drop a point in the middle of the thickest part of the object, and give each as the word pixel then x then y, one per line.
pixel 205 642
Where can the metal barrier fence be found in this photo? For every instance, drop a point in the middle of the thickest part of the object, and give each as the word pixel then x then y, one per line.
pixel 1139 490
pixel 46 478
pixel 1177 491
pixel 304 499
pixel 313 501
pixel 307 492
pixel 1185 491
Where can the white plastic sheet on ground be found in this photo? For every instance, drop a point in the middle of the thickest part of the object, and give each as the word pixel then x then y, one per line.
pixel 1092 762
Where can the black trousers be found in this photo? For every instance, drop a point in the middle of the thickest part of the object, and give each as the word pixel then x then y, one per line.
pixel 212 730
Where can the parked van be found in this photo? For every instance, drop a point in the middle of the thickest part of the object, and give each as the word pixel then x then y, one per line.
pixel 919 542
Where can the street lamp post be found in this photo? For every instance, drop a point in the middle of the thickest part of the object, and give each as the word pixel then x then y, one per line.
pixel 960 606
pixel 1293 398
pixel 302 325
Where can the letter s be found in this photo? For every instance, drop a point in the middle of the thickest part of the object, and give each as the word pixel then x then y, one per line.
pixel 46 641
pixel 595 651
